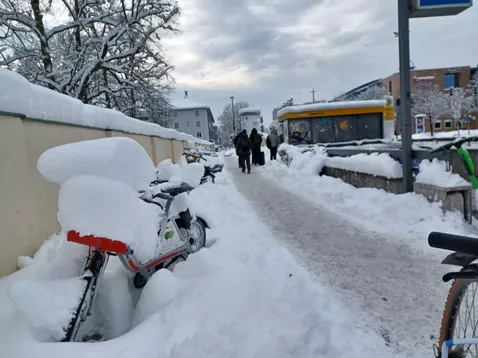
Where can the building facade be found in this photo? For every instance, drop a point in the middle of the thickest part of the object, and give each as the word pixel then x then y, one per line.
pixel 193 118
pixel 444 78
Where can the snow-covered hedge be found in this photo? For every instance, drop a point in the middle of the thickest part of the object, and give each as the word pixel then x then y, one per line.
pixel 20 96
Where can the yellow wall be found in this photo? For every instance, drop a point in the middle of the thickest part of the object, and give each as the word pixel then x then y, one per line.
pixel 28 203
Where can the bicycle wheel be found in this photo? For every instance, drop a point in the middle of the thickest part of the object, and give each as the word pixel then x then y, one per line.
pixel 460 318
pixel 91 273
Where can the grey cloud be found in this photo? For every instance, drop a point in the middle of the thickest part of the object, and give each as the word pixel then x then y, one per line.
pixel 239 37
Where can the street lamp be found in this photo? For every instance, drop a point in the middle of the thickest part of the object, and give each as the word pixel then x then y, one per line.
pixel 233 120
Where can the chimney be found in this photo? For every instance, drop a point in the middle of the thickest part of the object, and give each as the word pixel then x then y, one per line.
pixel 185 94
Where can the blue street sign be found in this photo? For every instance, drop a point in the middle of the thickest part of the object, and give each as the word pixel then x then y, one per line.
pixel 429 8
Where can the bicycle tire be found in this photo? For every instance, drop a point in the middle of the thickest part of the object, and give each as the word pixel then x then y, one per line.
pixel 452 308
pixel 75 323
pixel 94 265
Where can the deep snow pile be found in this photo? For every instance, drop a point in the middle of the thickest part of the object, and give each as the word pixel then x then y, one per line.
pixel 117 158
pixel 42 103
pixel 313 159
pixel 100 180
pixel 435 173
pixel 409 217
pixel 242 297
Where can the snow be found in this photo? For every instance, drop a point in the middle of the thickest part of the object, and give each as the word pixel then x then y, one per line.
pixel 435 173
pixel 38 102
pixel 450 134
pixel 191 174
pixel 99 206
pixel 245 296
pixel 374 163
pixel 166 169
pixel 331 105
pixel 406 217
pixel 312 159
pixel 187 103
pixel 119 158
pixel 47 305
pixel 249 109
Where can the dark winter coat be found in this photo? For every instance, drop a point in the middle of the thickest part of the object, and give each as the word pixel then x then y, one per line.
pixel 243 145
pixel 256 140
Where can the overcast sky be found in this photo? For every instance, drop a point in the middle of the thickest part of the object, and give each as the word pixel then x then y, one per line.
pixel 267 51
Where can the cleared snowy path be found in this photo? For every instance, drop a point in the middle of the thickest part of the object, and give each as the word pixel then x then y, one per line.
pixel 392 291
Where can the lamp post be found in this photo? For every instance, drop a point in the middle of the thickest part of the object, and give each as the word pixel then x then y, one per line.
pixel 233 120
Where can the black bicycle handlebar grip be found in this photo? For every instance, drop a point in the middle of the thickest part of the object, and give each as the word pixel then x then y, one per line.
pixel 463 244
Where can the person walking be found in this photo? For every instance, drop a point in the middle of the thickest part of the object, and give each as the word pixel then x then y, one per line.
pixel 243 148
pixel 256 141
pixel 236 138
pixel 273 142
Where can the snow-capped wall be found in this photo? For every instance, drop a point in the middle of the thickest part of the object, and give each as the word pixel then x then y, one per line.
pixel 22 97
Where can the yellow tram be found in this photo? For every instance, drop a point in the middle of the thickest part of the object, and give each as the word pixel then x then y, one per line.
pixel 338 121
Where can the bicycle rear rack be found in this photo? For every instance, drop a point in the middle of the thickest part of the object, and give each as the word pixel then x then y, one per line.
pixel 455 342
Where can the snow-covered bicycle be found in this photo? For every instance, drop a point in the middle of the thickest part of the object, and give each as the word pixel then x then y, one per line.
pixel 107 203
pixel 458 333
pixel 209 171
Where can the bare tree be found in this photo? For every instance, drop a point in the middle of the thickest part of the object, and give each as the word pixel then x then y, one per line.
pixel 105 53
pixel 465 98
pixel 427 99
pixel 226 128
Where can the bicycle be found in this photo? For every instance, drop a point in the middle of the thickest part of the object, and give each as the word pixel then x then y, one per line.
pixel 209 172
pixel 457 338
pixel 180 235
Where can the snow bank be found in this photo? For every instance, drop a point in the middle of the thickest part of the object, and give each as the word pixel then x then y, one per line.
pixel 435 173
pixel 331 105
pixel 48 305
pixel 406 217
pixel 238 298
pixel 450 134
pixel 312 159
pixel 122 159
pixel 94 205
pixel 375 164
pixel 41 103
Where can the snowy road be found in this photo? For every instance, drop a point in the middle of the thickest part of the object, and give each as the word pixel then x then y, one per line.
pixel 391 290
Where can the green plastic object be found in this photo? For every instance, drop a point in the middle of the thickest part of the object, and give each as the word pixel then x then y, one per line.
pixel 469 165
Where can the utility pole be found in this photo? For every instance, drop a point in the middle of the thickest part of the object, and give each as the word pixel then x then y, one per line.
pixel 405 93
pixel 233 120
pixel 313 94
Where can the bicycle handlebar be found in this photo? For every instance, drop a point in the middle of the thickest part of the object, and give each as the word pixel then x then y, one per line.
pixel 463 244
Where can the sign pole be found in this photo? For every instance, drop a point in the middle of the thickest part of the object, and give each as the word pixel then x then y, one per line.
pixel 405 93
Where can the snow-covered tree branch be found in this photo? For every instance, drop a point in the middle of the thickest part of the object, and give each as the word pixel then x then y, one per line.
pixel 106 53
pixel 427 99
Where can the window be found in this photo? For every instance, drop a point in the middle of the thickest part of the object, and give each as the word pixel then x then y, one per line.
pixel 198 124
pixel 448 123
pixel 175 114
pixel 176 125
pixel 390 86
pixel 437 124
pixel 197 113
pixel 199 135
pixel 188 124
pixel 451 80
